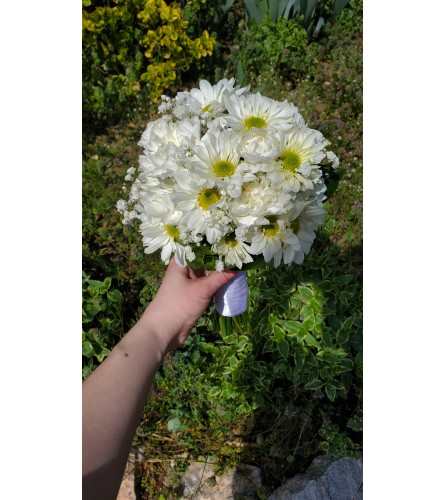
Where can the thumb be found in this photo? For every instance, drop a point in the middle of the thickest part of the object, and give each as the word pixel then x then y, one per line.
pixel 216 280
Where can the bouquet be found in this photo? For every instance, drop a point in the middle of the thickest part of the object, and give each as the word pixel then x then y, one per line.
pixel 228 178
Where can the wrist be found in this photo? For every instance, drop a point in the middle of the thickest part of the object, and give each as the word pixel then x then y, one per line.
pixel 153 325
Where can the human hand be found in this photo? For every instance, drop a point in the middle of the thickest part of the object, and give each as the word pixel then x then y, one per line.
pixel 182 298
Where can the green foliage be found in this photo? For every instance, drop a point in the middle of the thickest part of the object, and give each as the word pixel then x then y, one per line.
pixel 311 14
pixel 296 351
pixel 132 52
pixel 269 49
pixel 101 321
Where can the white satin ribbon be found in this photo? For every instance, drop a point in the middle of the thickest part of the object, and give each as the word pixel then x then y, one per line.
pixel 231 299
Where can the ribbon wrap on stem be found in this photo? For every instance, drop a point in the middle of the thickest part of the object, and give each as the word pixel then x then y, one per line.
pixel 231 299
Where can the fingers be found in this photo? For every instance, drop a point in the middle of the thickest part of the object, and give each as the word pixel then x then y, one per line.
pixel 216 280
pixel 175 268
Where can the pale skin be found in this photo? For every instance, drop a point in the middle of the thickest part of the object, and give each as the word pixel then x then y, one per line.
pixel 113 396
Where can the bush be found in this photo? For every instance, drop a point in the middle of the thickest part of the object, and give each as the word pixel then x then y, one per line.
pixel 294 359
pixel 102 324
pixel 269 51
pixel 133 51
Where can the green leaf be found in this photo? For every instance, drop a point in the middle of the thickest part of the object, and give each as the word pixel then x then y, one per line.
pixel 102 354
pixel 306 311
pixel 87 349
pixel 306 293
pixel 309 340
pixel 299 357
pixel 233 361
pixel 278 333
pixel 253 11
pixel 174 424
pixel 326 338
pixel 331 392
pixel 270 346
pixel 230 339
pixel 283 347
pixel 339 5
pixel 342 336
pixel 292 326
pixel 347 324
pixel 314 384
pixel 342 280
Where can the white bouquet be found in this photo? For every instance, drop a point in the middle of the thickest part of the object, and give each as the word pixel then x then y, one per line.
pixel 227 179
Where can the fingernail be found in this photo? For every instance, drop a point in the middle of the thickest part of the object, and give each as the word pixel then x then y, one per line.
pixel 231 272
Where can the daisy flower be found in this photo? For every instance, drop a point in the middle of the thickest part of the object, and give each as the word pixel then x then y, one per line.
pixel 304 218
pixel 234 251
pixel 199 205
pixel 252 112
pixel 208 98
pixel 269 240
pixel 163 232
pixel 297 164
pixel 218 160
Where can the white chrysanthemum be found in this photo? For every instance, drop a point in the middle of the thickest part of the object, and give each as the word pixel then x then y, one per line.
pixel 254 111
pixel 163 232
pixel 208 98
pixel 199 205
pixel 269 240
pixel 234 251
pixel 218 161
pixel 297 165
pixel 258 200
pixel 260 147
pixel 303 219
pixel 167 144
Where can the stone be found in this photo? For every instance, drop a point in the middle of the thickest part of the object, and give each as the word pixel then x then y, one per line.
pixel 127 489
pixel 201 482
pixel 325 479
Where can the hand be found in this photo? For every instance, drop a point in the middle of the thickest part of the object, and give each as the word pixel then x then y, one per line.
pixel 182 298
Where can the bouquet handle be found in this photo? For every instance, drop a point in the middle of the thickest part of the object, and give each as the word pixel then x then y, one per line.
pixel 231 298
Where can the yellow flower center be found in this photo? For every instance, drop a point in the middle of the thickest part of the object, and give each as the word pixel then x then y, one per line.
pixel 295 226
pixel 254 122
pixel 172 231
pixel 208 197
pixel 271 229
pixel 231 243
pixel 290 160
pixel 223 168
pixel 207 108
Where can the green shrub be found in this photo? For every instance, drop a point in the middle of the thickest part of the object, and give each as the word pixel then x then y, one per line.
pixel 269 51
pixel 102 324
pixel 294 357
pixel 312 15
pixel 132 52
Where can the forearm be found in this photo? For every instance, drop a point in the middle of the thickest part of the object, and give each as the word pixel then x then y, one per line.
pixel 113 400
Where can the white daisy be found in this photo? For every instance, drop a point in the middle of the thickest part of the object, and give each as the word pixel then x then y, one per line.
pixel 269 240
pixel 199 205
pixel 218 160
pixel 304 218
pixel 252 112
pixel 234 251
pixel 297 165
pixel 208 98
pixel 164 232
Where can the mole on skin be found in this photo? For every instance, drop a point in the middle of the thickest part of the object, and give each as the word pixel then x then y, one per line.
pixel 126 354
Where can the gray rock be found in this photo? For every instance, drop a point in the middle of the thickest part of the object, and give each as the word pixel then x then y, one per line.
pixel 127 489
pixel 325 479
pixel 201 482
